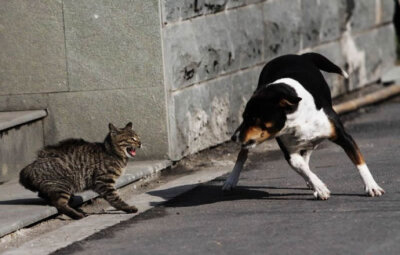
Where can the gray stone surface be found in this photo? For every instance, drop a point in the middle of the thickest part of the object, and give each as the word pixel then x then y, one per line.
pixel 23 102
pixel 109 45
pixel 368 62
pixel 32 55
pixel 379 46
pixel 21 207
pixel 392 75
pixel 205 48
pixel 18 147
pixel 175 10
pixel 282 27
pixel 113 44
pixel 207 114
pixel 237 3
pixel 387 11
pixel 87 114
pixel 320 21
pixel 362 14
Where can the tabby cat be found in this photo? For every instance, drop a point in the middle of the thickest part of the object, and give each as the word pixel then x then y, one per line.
pixel 75 165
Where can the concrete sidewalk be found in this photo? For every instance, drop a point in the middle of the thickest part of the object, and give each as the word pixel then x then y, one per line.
pixel 20 207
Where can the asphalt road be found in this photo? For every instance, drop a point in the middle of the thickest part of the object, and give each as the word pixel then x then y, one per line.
pixel 272 212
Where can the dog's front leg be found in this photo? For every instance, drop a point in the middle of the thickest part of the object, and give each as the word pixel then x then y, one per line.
pixel 233 178
pixel 300 165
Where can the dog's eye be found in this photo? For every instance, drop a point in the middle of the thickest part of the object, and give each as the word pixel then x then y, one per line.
pixel 269 124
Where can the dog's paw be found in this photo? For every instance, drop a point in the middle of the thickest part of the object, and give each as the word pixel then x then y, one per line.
pixel 321 192
pixel 374 190
pixel 309 185
pixel 229 185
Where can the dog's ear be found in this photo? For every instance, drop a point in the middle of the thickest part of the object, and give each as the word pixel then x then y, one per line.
pixel 113 129
pixel 289 102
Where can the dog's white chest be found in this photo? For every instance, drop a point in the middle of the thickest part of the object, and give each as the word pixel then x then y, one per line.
pixel 307 126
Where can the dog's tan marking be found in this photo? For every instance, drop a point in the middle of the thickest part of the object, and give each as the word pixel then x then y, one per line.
pixel 269 124
pixel 333 135
pixel 256 134
pixel 352 151
pixel 357 157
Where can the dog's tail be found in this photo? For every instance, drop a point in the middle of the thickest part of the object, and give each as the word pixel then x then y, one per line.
pixel 324 64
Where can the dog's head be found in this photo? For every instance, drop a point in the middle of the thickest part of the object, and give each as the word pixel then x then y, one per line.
pixel 265 114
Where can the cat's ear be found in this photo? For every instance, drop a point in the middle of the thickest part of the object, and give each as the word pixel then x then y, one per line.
pixel 113 129
pixel 128 126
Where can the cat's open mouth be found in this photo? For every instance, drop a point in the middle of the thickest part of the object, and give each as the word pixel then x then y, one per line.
pixel 131 151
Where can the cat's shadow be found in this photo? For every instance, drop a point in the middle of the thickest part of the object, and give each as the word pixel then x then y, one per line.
pixel 74 201
pixel 24 201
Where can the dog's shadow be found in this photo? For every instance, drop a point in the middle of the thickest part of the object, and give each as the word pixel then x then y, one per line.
pixel 209 194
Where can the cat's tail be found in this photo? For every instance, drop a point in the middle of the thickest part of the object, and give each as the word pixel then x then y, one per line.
pixel 25 178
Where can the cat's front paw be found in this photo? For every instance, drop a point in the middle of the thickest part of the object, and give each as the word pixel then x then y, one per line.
pixel 77 215
pixel 130 209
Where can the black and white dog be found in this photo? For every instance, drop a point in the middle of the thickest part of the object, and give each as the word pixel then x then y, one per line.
pixel 292 104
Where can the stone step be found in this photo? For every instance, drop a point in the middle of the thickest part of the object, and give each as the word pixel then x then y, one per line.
pixel 20 207
pixel 21 136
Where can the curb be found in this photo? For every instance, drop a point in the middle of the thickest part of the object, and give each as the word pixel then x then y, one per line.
pixel 49 242
pixel 134 172
pixel 368 99
pixel 147 170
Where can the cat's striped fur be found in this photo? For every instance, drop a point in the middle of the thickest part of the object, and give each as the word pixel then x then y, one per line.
pixel 75 165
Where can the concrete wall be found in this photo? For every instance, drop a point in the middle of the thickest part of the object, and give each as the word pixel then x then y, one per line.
pixel 214 51
pixel 89 63
pixel 181 70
